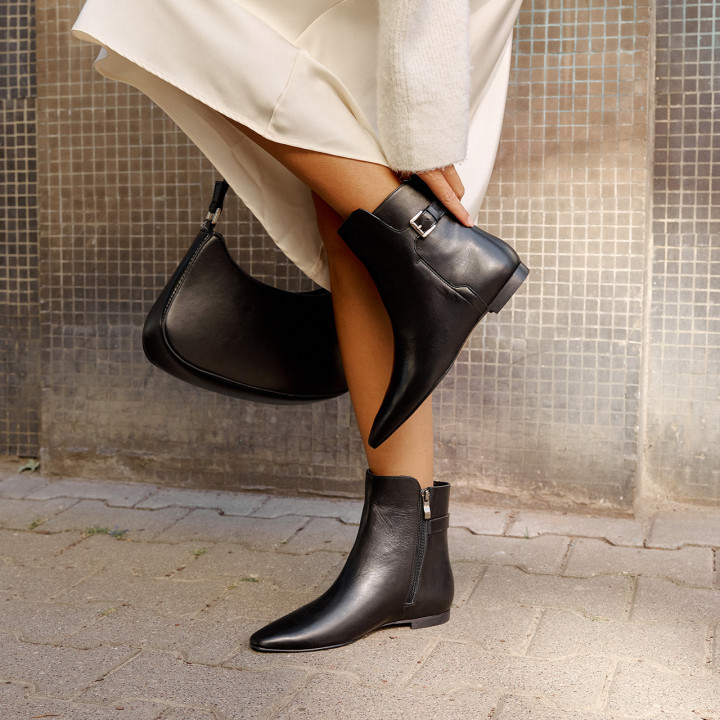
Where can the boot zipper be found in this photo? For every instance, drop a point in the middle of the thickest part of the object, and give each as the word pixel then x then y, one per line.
pixel 425 515
pixel 426 503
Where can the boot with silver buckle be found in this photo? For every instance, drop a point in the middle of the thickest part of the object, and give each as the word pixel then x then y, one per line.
pixel 437 278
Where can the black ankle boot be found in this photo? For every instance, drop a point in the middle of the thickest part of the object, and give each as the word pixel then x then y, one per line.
pixel 398 572
pixel 437 278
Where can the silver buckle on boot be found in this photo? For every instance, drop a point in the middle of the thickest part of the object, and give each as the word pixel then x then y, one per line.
pixel 418 228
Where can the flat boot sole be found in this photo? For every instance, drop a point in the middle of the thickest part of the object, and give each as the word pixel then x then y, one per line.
pixel 509 289
pixel 414 623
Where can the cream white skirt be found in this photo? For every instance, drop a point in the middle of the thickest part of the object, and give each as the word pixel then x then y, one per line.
pixel 300 72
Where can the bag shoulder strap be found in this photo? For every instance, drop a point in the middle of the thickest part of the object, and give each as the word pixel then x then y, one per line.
pixel 216 205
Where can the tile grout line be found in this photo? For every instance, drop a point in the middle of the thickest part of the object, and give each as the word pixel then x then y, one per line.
pixel 532 632
pixel 604 699
pixel 710 647
pixel 103 676
pixel 566 557
pixel 642 479
pixel 287 701
pixel 631 595
pixel 419 664
pixel 473 588
pixel 287 541
pixel 497 706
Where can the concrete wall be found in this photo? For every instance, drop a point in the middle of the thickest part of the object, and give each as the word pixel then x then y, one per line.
pixel 597 384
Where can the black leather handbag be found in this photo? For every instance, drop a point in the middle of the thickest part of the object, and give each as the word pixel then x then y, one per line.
pixel 217 327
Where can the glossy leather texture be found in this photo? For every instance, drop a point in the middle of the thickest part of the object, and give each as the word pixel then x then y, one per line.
pixel 219 328
pixel 398 572
pixel 435 289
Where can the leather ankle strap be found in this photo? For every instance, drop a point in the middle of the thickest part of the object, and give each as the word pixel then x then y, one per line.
pixel 439 524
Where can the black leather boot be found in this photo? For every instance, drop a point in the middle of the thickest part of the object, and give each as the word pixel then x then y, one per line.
pixel 397 573
pixel 437 278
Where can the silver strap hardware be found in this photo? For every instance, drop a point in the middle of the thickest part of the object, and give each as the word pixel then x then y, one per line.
pixel 213 217
pixel 426 220
pixel 418 227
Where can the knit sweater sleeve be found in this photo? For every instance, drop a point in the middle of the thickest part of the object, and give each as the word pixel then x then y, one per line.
pixel 423 82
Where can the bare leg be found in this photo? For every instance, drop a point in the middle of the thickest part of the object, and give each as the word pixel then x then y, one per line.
pixel 339 186
pixel 366 344
pixel 344 184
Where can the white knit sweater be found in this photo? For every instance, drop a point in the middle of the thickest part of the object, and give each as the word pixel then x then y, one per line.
pixel 423 82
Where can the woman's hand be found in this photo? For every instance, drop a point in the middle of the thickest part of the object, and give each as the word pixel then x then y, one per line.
pixel 448 189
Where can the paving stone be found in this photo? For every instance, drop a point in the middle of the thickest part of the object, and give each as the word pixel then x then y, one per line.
pixel 563 634
pixel 539 555
pixel 336 696
pixel 349 511
pixel 640 688
pixel 20 485
pixel 605 597
pixel 280 569
pixel 513 707
pixel 45 622
pixel 22 514
pixel 231 503
pixel 140 524
pixel 662 601
pixel 55 671
pixel 39 583
pixel 466 577
pixel 571 683
pixel 200 639
pixel 113 493
pixel 137 558
pixel 685 527
pixel 255 533
pixel 19 703
pixel 19 547
pixel 71 599
pixel 497 630
pixel 168 596
pixel 689 565
pixel 479 519
pixel 184 714
pixel 322 534
pixel 366 659
pixel 260 601
pixel 235 694
pixel 618 531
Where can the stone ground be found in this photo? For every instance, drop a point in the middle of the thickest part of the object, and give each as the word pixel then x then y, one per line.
pixel 131 601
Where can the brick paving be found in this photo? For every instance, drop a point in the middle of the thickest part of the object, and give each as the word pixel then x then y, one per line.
pixel 136 602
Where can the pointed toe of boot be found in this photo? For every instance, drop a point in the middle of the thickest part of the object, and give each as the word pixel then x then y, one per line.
pixel 272 639
pixel 264 641
pixel 289 633
pixel 298 631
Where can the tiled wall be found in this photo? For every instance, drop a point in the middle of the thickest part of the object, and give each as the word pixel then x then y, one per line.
pixel 683 427
pixel 546 401
pixel 19 308
pixel 550 401
pixel 126 194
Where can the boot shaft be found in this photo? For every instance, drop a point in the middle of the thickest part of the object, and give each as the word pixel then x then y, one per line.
pixel 420 520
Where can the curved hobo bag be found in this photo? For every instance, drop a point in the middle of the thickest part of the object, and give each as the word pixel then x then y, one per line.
pixel 217 327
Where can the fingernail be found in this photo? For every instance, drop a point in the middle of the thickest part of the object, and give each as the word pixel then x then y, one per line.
pixel 468 221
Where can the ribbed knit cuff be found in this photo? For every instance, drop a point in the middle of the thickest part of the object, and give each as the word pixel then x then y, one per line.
pixel 423 82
